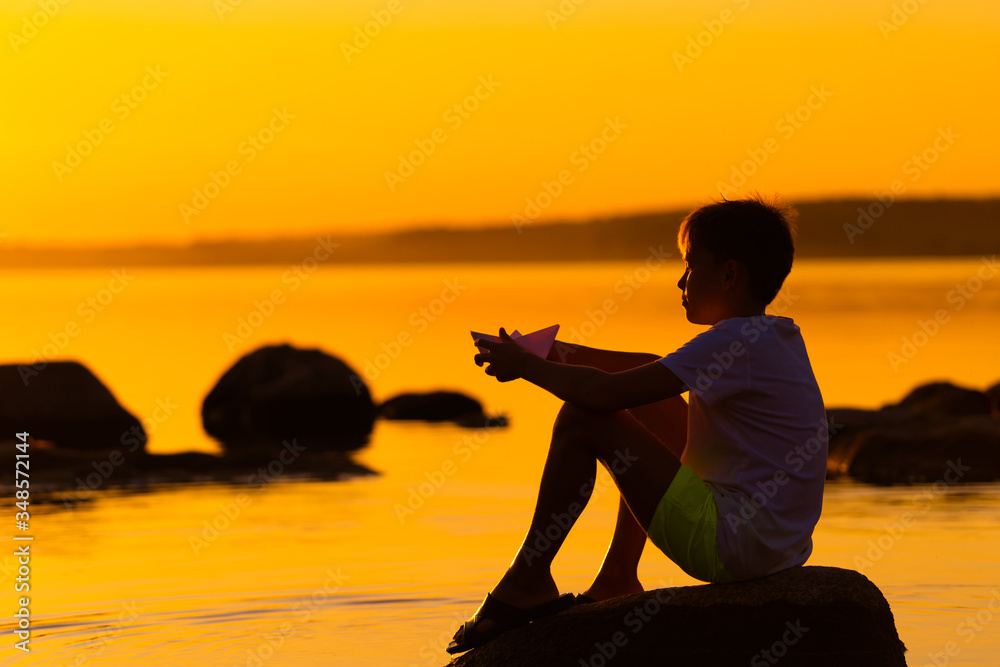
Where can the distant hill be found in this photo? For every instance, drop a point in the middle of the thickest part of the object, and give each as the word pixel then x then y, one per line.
pixel 940 227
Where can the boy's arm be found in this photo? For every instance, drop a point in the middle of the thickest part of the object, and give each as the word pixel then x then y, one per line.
pixel 666 419
pixel 607 360
pixel 594 389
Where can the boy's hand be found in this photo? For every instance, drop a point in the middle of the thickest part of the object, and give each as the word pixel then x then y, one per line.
pixel 505 358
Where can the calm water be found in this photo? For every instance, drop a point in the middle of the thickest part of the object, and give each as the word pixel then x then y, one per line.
pixel 380 570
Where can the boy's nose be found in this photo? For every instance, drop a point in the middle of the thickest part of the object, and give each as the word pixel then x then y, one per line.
pixel 682 281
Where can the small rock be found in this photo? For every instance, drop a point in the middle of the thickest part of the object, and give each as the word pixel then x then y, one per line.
pixel 439 406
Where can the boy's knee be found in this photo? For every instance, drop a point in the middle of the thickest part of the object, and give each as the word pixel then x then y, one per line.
pixel 574 419
pixel 569 417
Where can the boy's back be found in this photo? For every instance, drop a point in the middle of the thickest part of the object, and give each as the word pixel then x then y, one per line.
pixel 757 435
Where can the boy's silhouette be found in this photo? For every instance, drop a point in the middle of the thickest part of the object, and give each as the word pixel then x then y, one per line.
pixel 729 489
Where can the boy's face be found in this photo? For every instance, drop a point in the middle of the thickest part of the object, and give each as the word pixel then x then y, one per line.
pixel 703 297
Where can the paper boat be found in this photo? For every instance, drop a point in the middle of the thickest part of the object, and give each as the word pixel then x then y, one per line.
pixel 538 342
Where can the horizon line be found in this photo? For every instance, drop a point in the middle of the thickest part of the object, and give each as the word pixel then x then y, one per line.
pixel 446 226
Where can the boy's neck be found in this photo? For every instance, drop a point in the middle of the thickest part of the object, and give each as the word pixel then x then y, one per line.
pixel 747 310
pixel 750 310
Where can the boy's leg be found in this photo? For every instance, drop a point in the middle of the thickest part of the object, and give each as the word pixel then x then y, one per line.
pixel 641 466
pixel 667 420
pixel 619 574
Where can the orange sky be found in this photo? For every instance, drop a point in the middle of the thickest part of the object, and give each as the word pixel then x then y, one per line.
pixel 330 122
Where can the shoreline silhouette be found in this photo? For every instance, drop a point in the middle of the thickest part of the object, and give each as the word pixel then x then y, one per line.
pixel 863 228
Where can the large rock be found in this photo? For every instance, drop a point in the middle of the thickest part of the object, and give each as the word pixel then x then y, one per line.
pixel 993 396
pixel 65 404
pixel 439 406
pixel 805 616
pixel 280 393
pixel 935 429
pixel 924 451
pixel 943 399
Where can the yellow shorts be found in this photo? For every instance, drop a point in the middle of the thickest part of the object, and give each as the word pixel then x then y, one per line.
pixel 684 526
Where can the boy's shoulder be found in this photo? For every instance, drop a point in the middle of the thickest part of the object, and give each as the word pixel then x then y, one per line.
pixel 740 333
pixel 758 323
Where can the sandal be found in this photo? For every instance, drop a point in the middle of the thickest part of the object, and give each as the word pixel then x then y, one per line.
pixel 506 617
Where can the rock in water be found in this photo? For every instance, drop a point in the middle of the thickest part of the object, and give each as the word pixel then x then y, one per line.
pixel 64 403
pixel 993 396
pixel 438 406
pixel 938 432
pixel 802 617
pixel 941 399
pixel 279 393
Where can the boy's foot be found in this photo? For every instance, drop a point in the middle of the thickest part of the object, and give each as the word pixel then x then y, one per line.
pixel 522 599
pixel 605 588
pixel 503 617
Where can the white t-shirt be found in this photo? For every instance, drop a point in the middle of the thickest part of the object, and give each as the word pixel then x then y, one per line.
pixel 757 435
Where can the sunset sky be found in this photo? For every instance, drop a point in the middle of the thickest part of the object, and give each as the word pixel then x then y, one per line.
pixel 117 114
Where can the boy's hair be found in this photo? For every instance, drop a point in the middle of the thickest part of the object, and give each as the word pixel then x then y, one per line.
pixel 754 231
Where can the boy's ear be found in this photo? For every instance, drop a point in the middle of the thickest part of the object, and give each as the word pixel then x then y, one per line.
pixel 730 271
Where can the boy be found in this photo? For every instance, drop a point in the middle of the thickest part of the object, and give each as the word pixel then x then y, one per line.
pixel 735 499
